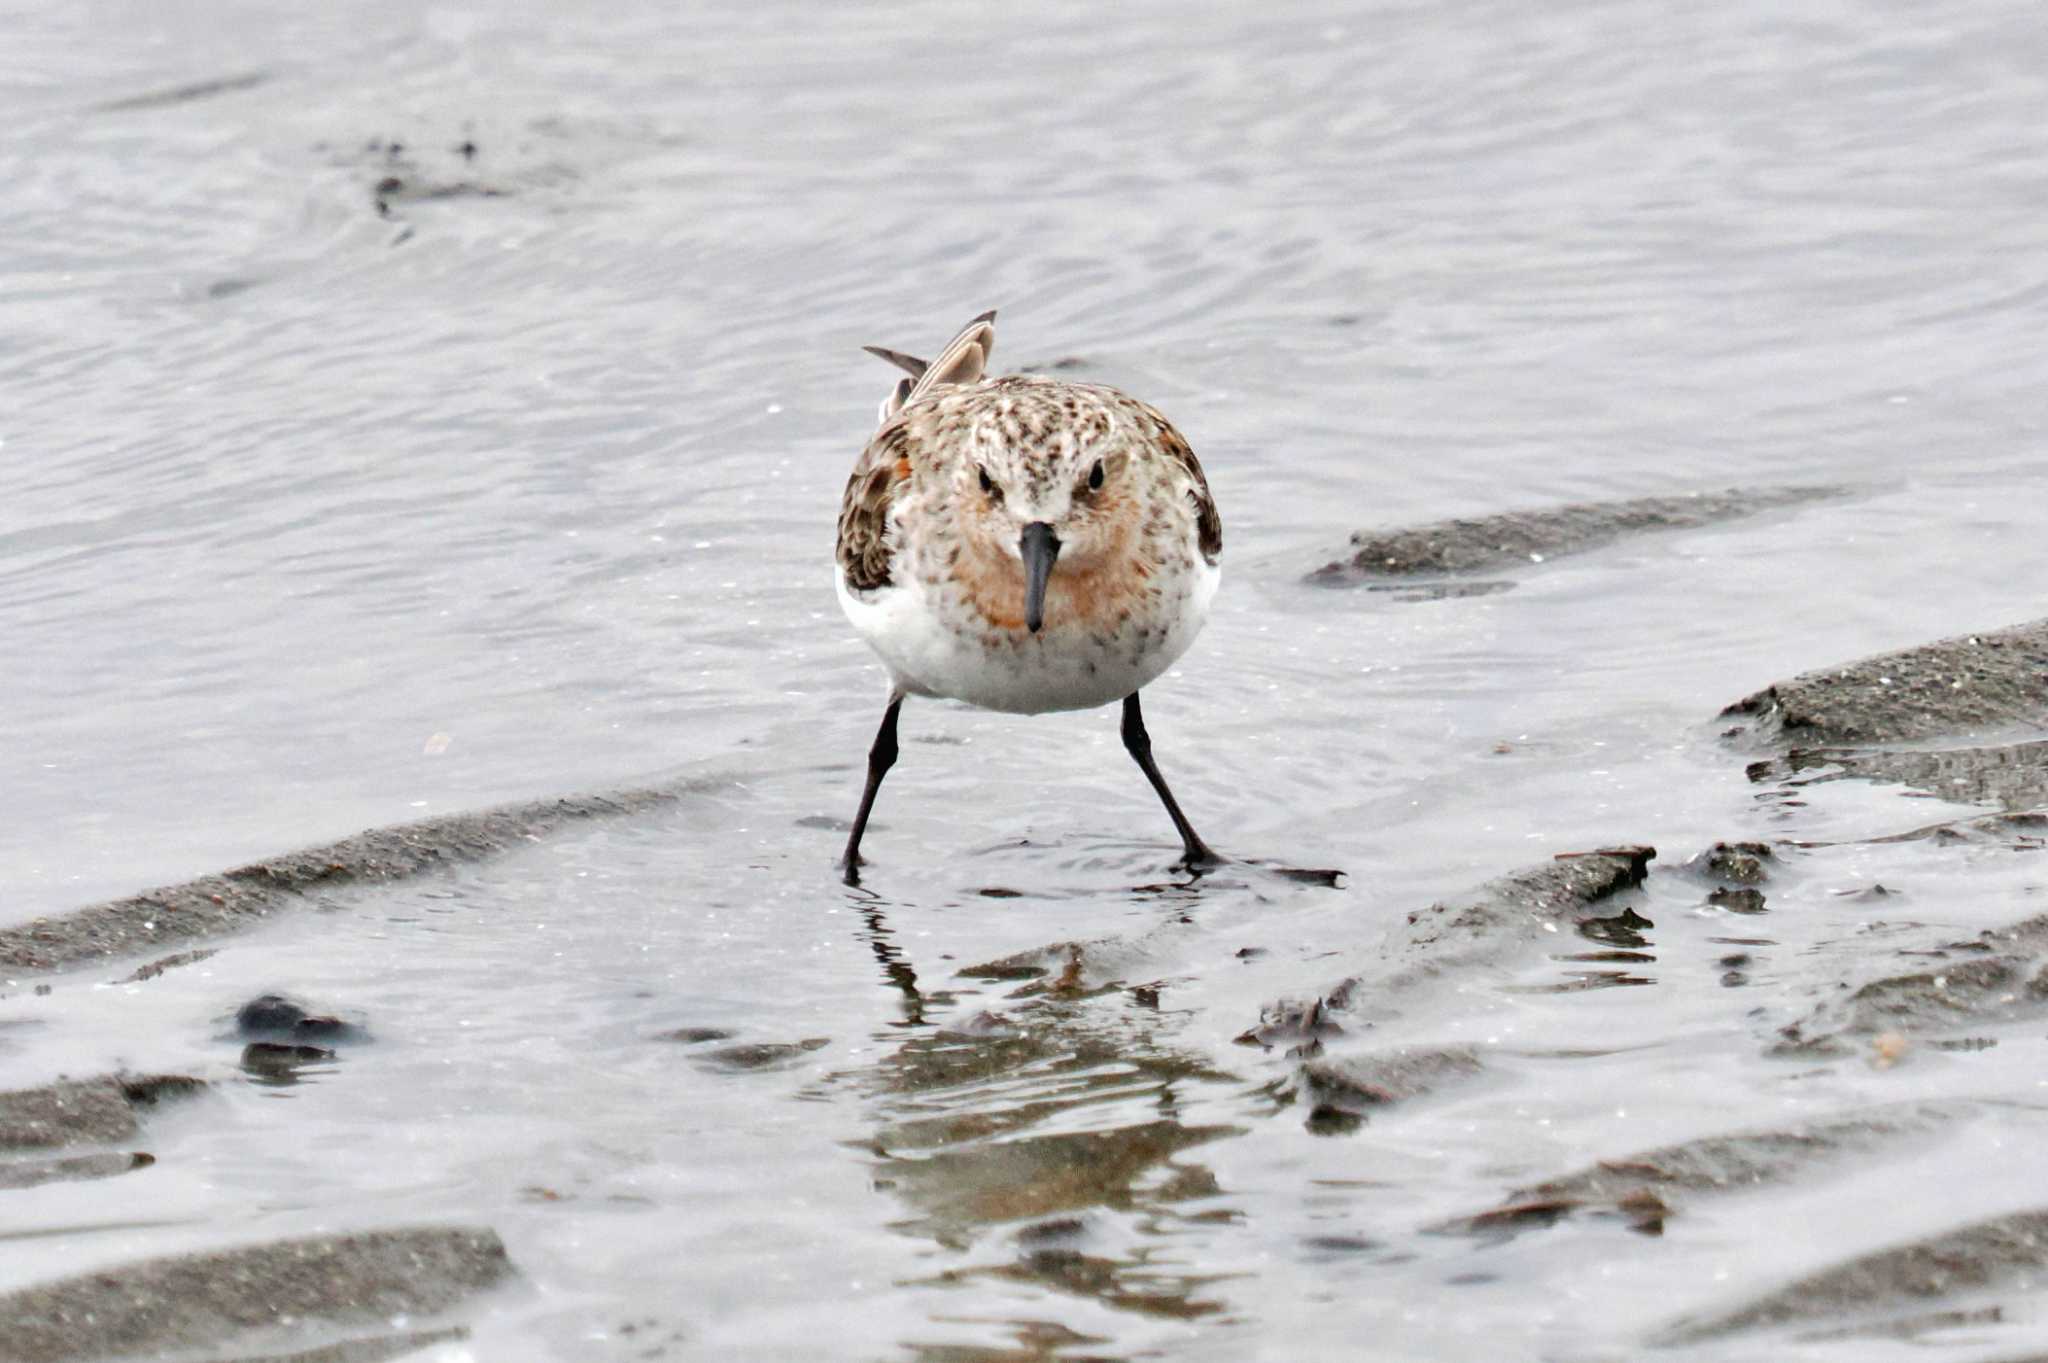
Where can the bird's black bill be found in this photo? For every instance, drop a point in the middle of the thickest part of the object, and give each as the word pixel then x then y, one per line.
pixel 1040 548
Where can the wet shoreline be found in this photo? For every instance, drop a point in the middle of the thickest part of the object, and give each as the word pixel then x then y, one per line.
pixel 1621 432
pixel 1350 1059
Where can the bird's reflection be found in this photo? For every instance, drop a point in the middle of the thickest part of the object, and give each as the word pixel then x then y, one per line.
pixel 896 967
pixel 1044 1115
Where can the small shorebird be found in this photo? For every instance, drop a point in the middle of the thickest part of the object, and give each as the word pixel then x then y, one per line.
pixel 1023 544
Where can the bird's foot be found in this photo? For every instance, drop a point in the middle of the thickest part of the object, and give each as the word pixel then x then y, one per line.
pixel 1200 860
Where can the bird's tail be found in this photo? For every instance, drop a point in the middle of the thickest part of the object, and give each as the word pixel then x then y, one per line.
pixel 964 360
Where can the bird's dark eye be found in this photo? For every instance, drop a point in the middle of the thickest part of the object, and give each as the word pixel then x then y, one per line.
pixel 1095 476
pixel 988 485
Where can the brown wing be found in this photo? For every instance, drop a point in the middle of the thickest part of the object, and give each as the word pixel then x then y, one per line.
pixel 1208 525
pixel 878 475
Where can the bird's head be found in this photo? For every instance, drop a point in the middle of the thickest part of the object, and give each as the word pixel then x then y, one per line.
pixel 1049 496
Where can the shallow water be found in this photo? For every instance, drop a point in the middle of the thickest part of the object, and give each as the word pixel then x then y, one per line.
pixel 320 517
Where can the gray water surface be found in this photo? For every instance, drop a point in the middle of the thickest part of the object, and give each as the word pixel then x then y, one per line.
pixel 319 515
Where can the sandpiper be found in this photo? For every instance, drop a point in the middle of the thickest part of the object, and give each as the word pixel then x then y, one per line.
pixel 1023 544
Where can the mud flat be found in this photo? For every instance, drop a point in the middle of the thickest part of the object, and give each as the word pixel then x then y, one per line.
pixel 1342 1093
pixel 97 1111
pixel 1990 683
pixel 266 1296
pixel 1519 538
pixel 2011 776
pixel 1995 977
pixel 1646 1187
pixel 215 905
pixel 101 1111
pixel 1833 725
pixel 370 1349
pixel 1487 927
pixel 1490 927
pixel 2003 1252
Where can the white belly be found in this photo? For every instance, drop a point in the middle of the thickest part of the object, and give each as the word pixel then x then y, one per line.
pixel 1060 668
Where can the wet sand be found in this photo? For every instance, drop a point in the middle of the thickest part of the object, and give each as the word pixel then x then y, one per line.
pixel 1355 1050
pixel 423 417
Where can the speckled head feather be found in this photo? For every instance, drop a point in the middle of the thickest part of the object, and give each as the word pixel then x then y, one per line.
pixel 1035 439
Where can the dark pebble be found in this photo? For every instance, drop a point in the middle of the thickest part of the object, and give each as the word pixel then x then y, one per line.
pixel 1738 901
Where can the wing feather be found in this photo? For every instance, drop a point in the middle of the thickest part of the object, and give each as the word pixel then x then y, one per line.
pixel 1174 447
pixel 965 358
pixel 884 466
pixel 879 476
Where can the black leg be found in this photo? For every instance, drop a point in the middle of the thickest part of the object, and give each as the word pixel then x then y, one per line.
pixel 881 757
pixel 1139 744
